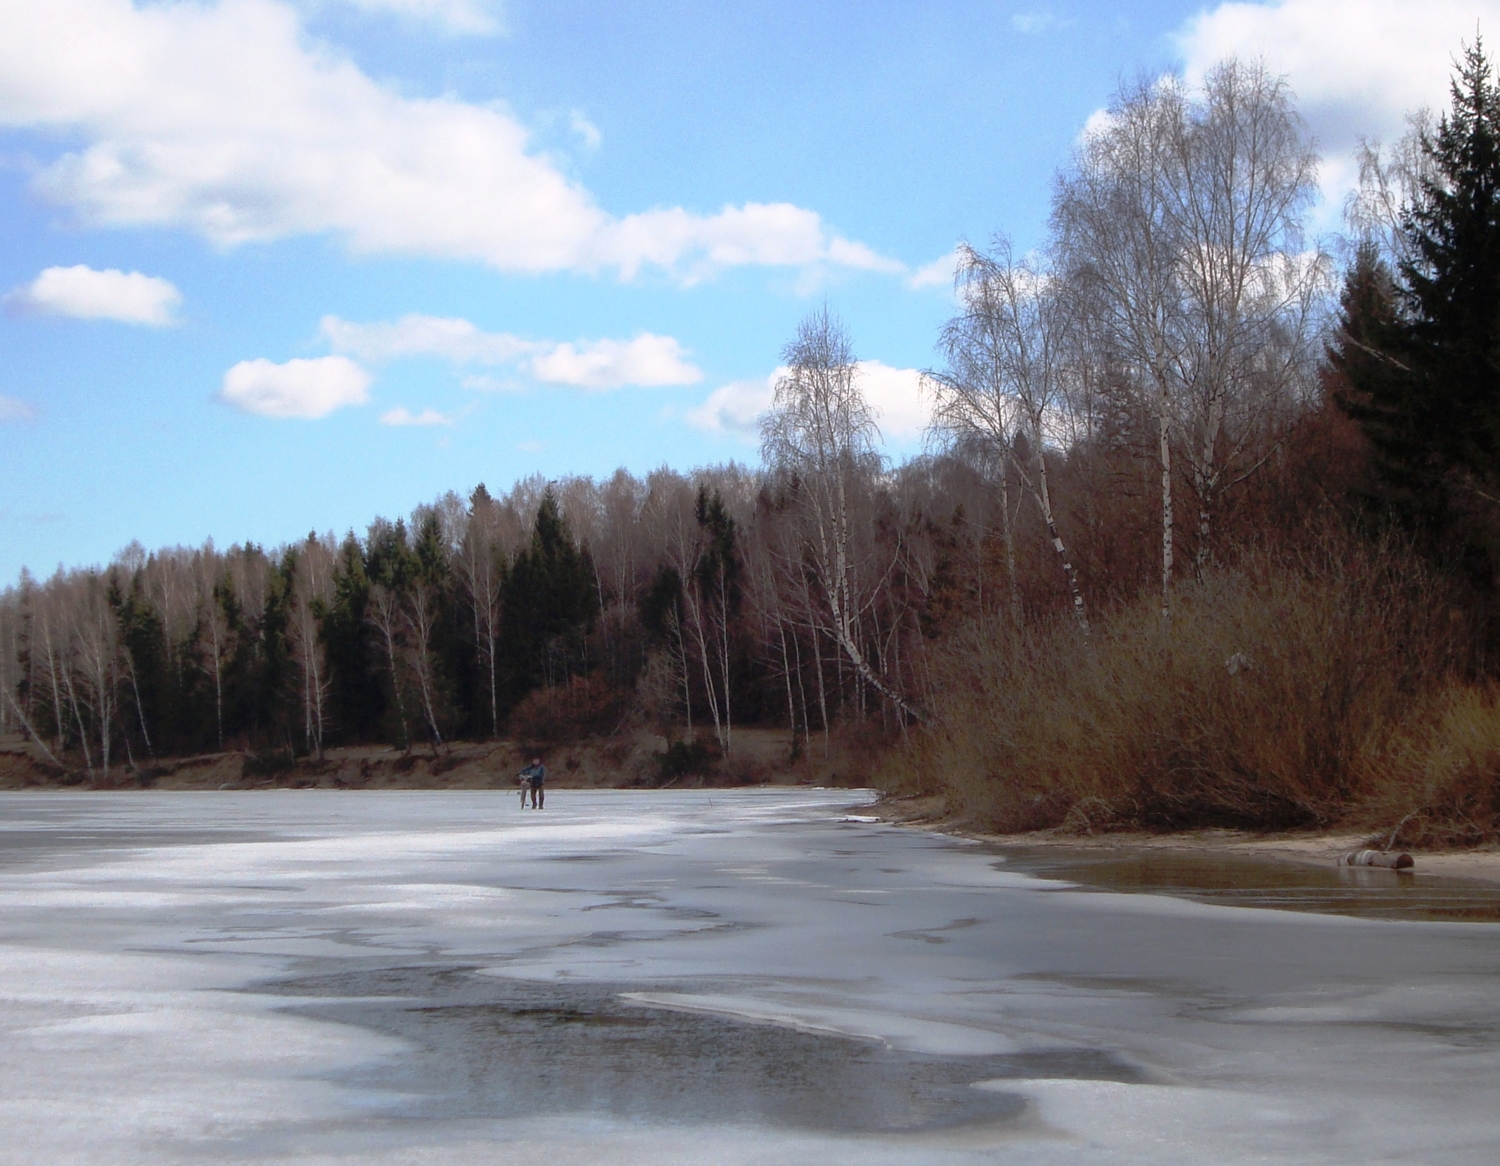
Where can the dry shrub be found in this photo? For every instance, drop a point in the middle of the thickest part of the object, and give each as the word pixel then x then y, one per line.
pixel 855 754
pixel 1439 781
pixel 1266 704
pixel 587 706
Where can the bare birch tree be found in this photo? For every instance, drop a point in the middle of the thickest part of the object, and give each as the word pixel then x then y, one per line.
pixel 670 512
pixel 1118 241
pixel 1179 227
pixel 95 636
pixel 1247 174
pixel 311 591
pixel 481 567
pixel 419 613
pixel 214 625
pixel 384 614
pixel 820 433
pixel 1004 381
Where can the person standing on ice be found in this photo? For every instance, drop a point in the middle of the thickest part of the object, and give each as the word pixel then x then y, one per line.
pixel 536 775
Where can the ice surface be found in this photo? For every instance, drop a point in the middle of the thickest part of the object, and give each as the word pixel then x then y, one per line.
pixel 749 977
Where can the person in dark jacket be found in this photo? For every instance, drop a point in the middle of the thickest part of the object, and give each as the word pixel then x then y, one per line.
pixel 536 775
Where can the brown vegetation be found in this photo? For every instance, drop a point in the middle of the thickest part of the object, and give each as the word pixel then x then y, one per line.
pixel 1288 691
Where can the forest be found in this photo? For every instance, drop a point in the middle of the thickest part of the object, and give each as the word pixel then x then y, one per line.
pixel 1206 533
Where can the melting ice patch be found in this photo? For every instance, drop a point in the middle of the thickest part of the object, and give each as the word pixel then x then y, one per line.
pixel 728 977
pixel 909 1033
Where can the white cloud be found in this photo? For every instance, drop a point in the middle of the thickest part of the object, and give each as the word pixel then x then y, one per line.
pixel 452 338
pixel 13 411
pixel 938 273
pixel 1098 123
pixel 646 360
pixel 298 388
pixel 611 364
pixel 765 234
pixel 894 393
pixel 1358 67
pixel 401 415
pixel 736 407
pixel 457 16
pixel 224 120
pixel 86 294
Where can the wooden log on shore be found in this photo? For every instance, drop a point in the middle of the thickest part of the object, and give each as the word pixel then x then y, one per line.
pixel 1399 860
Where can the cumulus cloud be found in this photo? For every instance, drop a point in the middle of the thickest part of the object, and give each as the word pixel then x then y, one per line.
pixel 472 17
pixel 448 337
pixel 894 393
pixel 222 119
pixel 298 388
pixel 646 360
pixel 1358 67
pixel 737 407
pixel 86 294
pixel 13 411
pixel 938 273
pixel 401 415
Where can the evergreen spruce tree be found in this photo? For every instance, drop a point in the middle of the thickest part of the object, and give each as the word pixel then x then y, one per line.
pixel 1370 384
pixel 148 693
pixel 1424 369
pixel 389 565
pixel 549 607
pixel 356 699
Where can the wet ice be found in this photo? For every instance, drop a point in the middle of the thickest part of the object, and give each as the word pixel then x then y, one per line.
pixel 688 977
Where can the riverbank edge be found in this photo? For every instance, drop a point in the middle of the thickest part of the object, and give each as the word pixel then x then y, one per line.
pixel 1308 849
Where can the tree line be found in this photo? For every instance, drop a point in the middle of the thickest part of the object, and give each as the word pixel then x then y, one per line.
pixel 1176 377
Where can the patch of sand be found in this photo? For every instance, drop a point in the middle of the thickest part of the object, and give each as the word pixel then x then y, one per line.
pixel 930 813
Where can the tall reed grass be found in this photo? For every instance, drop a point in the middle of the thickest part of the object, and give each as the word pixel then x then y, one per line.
pixel 1285 692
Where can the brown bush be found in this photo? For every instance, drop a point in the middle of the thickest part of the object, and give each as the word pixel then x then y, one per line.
pixel 1438 784
pixel 586 706
pixel 1276 698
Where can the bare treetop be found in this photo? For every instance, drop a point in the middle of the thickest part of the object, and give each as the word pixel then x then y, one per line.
pixel 818 414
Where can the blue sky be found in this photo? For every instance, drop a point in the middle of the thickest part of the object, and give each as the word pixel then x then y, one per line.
pixel 272 266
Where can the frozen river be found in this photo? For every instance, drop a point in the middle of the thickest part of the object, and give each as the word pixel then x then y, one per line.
pixel 665 978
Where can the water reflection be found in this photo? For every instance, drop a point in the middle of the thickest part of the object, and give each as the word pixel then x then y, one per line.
pixel 1262 882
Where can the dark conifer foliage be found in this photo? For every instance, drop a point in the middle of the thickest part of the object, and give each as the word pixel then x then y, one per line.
pixel 356 698
pixel 1421 352
pixel 550 606
pixel 661 605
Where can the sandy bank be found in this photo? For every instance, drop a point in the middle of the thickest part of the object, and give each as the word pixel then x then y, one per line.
pixel 930 813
